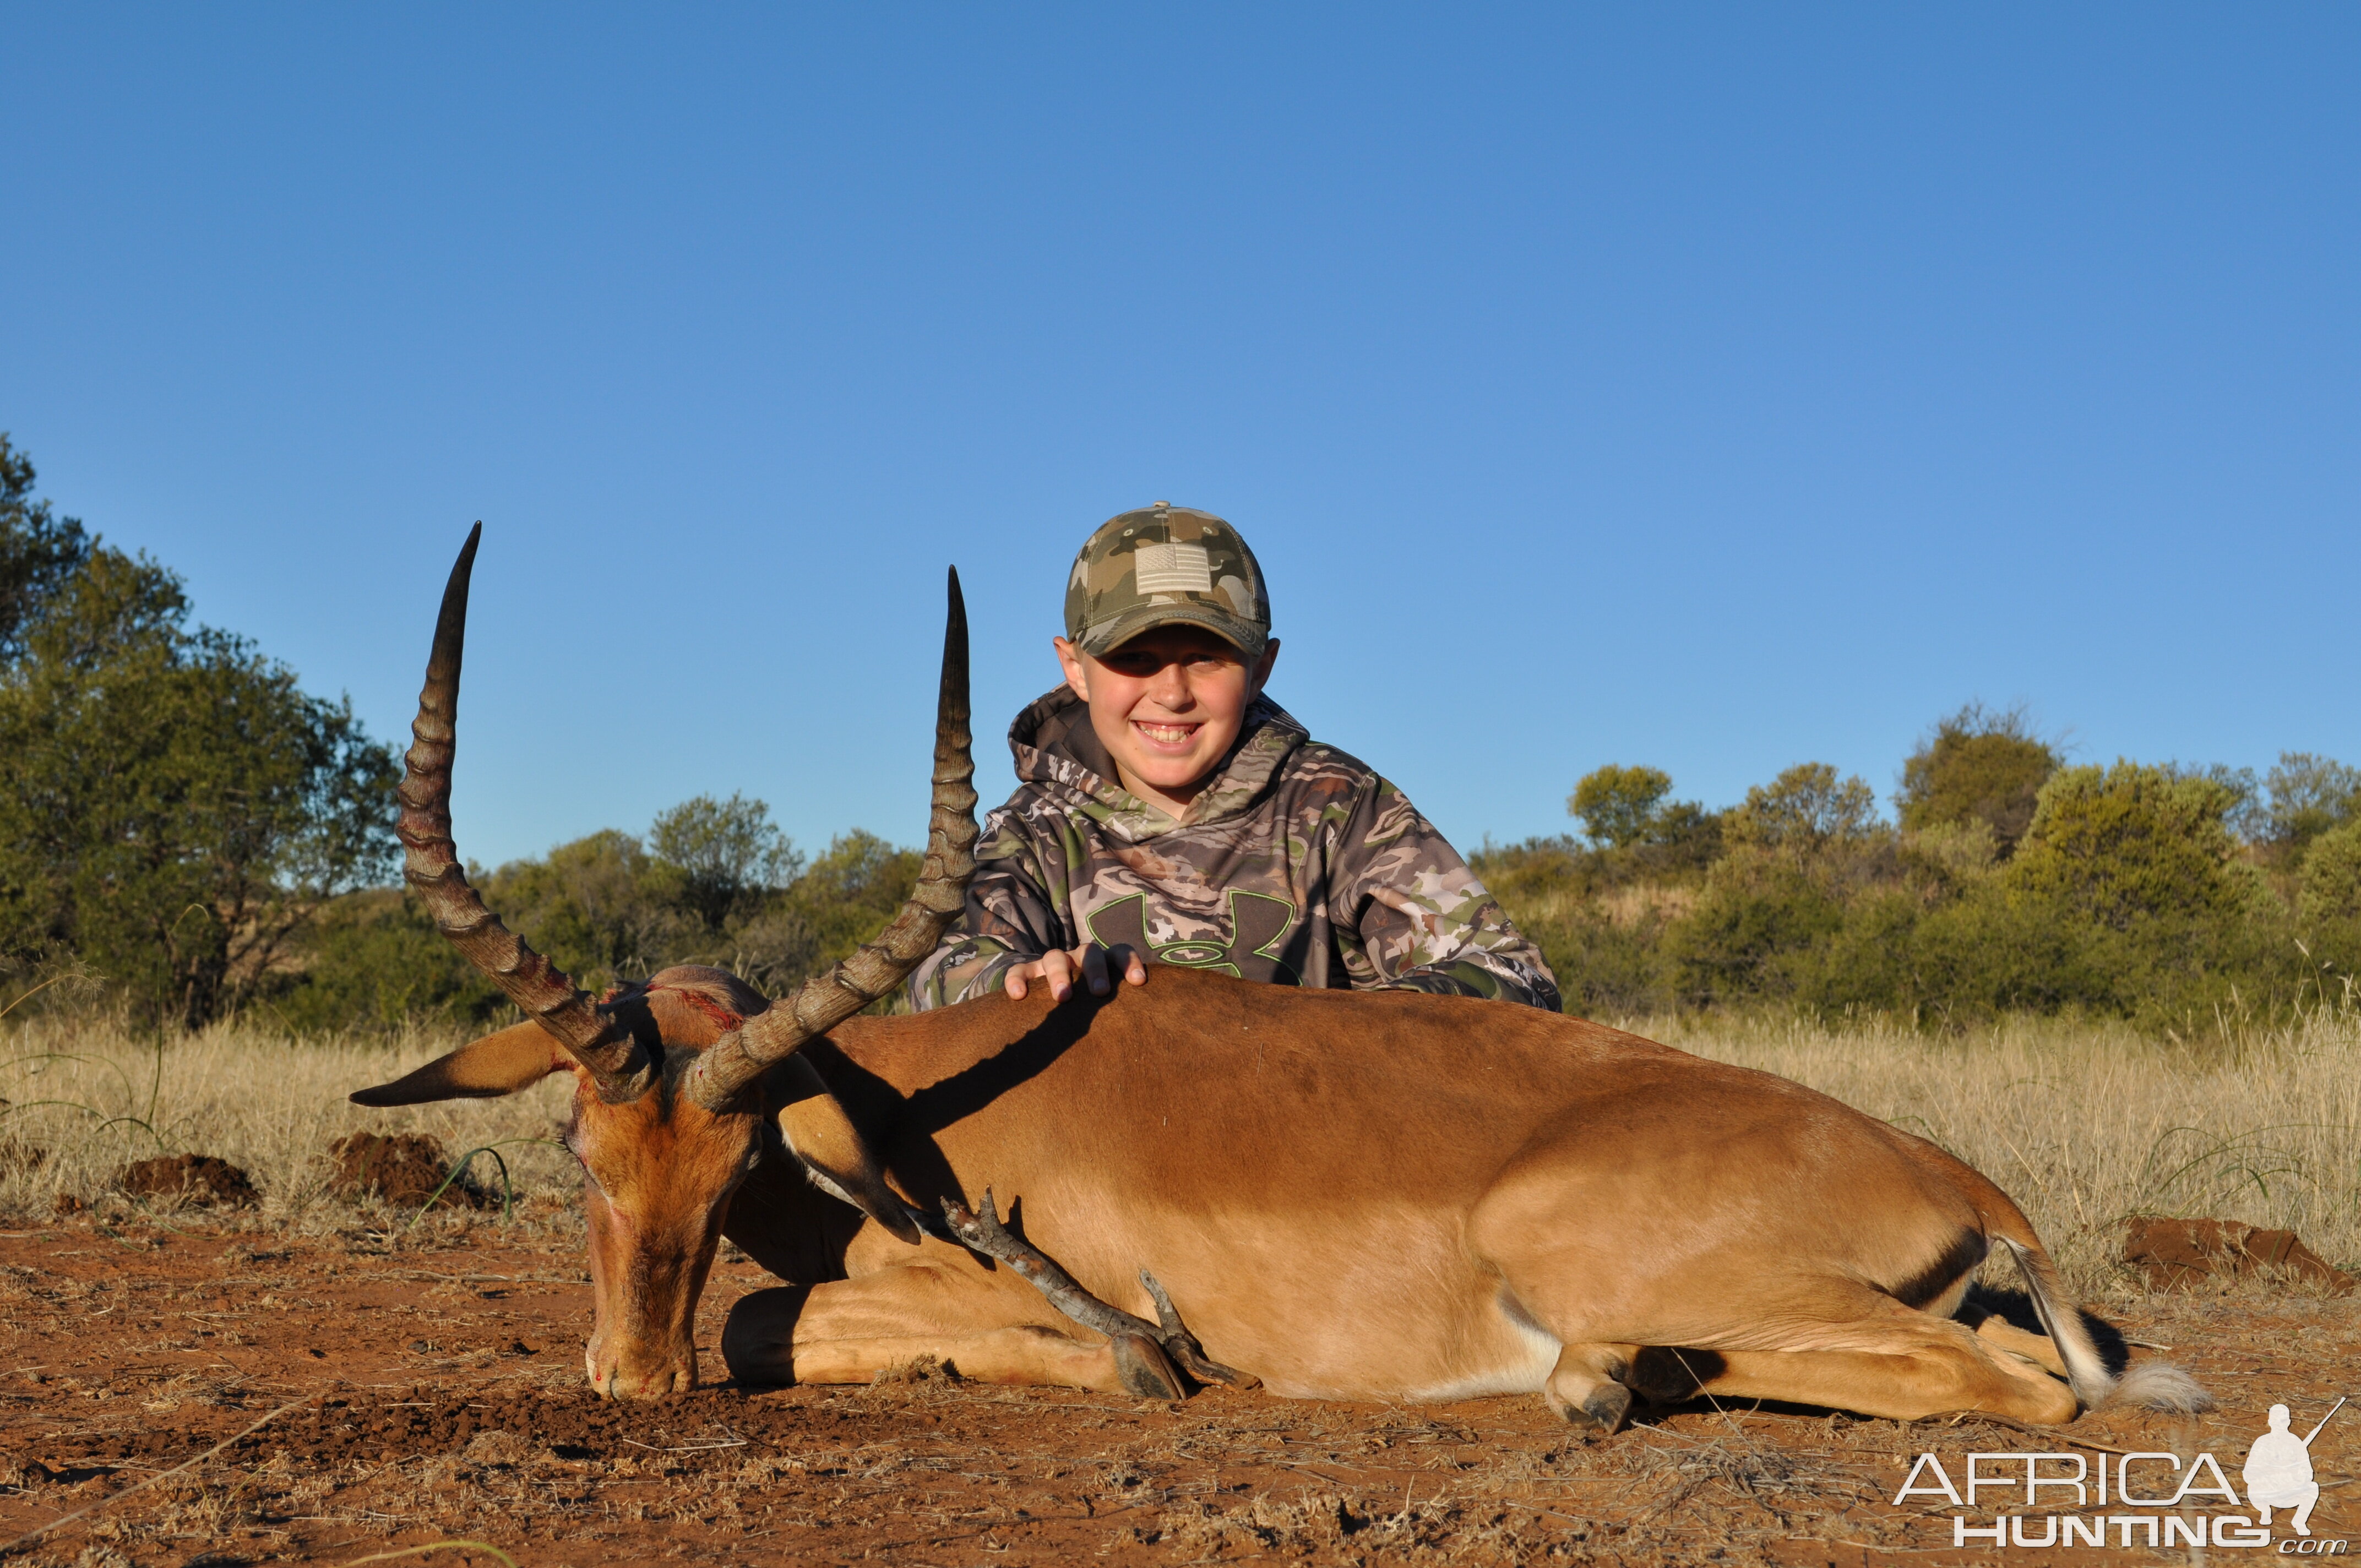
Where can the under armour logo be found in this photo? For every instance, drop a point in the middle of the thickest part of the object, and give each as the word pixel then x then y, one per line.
pixel 1257 922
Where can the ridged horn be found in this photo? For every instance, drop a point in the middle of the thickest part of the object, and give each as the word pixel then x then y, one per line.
pixel 822 1003
pixel 430 863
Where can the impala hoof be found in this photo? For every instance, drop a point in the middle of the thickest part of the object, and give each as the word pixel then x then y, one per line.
pixel 1608 1405
pixel 1146 1375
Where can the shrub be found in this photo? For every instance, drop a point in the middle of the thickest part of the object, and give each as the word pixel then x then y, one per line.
pixel 1978 766
pixel 1760 913
pixel 2311 795
pixel 2000 949
pixel 2131 845
pixel 600 907
pixel 1605 965
pixel 2332 878
pixel 1806 808
pixel 375 961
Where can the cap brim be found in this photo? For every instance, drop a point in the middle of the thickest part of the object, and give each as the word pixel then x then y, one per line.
pixel 1106 638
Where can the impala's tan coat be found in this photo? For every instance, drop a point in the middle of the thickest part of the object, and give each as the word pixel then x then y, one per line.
pixel 1353 1196
pixel 1359 1195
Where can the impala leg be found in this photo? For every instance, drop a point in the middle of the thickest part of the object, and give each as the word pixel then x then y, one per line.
pixel 1024 1356
pixel 1938 1375
pixel 849 1331
pixel 2002 1334
pixel 1589 1383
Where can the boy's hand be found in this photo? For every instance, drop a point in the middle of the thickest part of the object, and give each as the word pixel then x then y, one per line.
pixel 1058 971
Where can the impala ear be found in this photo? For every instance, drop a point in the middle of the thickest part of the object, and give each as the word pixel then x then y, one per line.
pixel 814 1125
pixel 516 1057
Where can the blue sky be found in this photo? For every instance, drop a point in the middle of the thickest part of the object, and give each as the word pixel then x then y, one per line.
pixel 1717 388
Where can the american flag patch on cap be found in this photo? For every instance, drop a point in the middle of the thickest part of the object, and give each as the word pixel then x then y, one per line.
pixel 1175 569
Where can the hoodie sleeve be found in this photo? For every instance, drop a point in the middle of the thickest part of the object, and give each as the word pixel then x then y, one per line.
pixel 1419 917
pixel 1011 918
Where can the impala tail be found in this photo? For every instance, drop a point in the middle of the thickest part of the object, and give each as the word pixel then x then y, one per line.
pixel 2149 1385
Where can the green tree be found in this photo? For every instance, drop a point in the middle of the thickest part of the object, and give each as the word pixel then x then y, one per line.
pixel 1618 806
pixel 39 552
pixel 852 891
pixel 600 906
pixel 1978 765
pixel 729 853
pixel 1806 809
pixel 173 808
pixel 2310 795
pixel 606 909
pixel 2244 813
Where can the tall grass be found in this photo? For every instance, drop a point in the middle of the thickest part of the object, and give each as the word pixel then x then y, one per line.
pixel 2084 1124
pixel 91 1096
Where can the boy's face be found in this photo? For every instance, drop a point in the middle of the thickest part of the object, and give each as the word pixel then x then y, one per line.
pixel 1167 705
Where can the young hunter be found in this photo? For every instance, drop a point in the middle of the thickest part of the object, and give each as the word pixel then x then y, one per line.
pixel 1169 811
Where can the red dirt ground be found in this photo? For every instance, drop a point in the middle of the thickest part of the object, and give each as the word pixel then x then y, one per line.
pixel 436 1393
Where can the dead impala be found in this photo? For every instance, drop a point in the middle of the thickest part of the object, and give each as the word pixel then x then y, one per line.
pixel 1374 1196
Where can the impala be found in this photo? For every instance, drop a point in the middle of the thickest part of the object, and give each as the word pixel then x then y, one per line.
pixel 1382 1195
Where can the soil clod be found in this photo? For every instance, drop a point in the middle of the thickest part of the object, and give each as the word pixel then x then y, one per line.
pixel 2176 1254
pixel 198 1179
pixel 403 1169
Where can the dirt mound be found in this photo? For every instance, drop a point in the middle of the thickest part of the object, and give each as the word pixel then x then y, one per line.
pixel 195 1178
pixel 2176 1254
pixel 404 1170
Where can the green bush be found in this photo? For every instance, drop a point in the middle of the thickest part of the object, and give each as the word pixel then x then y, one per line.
pixel 2311 795
pixel 1977 766
pixel 1805 810
pixel 375 961
pixel 606 908
pixel 1606 965
pixel 1762 912
pixel 2132 846
pixel 2332 878
pixel 1999 949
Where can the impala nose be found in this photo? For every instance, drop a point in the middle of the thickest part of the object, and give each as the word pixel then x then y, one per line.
pixel 619 1382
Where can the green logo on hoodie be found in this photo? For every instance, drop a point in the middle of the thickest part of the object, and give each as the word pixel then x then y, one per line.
pixel 1258 924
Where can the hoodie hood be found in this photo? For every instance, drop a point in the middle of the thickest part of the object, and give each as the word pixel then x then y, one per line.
pixel 1056 749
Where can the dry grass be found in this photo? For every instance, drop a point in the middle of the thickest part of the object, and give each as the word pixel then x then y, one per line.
pixel 2084 1124
pixel 91 1097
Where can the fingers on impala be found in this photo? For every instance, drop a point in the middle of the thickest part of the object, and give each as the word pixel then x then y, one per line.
pixel 1376 1196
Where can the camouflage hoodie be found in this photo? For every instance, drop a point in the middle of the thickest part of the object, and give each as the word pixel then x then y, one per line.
pixel 1296 864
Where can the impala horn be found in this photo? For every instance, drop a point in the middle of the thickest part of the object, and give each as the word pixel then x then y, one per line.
pixel 822 1003
pixel 431 864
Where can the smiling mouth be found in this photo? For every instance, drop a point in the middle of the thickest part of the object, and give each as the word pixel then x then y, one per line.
pixel 1165 734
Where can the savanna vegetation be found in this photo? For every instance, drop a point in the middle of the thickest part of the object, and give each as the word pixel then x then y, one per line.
pixel 184 827
pixel 2186 901
pixel 188 832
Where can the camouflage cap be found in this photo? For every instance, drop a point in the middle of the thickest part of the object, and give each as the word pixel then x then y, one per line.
pixel 1165 565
